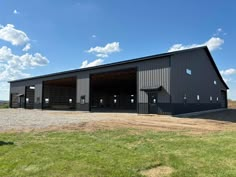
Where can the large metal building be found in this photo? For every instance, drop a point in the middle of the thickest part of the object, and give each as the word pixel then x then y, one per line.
pixel 170 83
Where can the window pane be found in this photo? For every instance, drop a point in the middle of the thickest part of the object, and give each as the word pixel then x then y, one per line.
pixel 189 71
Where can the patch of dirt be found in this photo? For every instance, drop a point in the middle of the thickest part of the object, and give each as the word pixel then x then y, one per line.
pixel 160 171
pixel 232 104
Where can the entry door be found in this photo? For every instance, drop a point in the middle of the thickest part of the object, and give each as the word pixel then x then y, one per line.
pixel 152 103
pixel 223 99
pixel 22 102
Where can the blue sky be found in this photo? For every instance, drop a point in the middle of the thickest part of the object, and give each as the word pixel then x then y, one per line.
pixel 40 37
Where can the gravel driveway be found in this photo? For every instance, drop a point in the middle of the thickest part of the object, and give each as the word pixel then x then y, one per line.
pixel 18 119
pixel 12 120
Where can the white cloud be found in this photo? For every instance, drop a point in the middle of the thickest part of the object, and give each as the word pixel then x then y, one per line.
pixel 94 36
pixel 5 53
pixel 96 62
pixel 27 47
pixel 101 52
pixel 16 12
pixel 11 73
pixel 226 72
pixel 14 36
pixel 227 80
pixel 219 29
pixel 12 66
pixel 102 55
pixel 219 32
pixel 106 50
pixel 213 43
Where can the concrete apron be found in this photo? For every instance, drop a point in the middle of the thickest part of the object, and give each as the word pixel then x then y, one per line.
pixel 199 112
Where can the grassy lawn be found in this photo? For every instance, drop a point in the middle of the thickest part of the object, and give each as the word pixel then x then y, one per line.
pixel 121 152
pixel 4 105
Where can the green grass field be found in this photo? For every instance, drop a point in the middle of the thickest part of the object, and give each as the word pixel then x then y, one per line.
pixel 4 105
pixel 121 152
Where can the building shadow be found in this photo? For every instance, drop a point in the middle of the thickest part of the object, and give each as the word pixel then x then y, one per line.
pixel 2 143
pixel 228 115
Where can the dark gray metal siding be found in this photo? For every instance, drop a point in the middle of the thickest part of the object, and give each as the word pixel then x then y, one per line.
pixel 168 71
pixel 82 90
pixel 155 72
pixel 19 87
pixel 200 82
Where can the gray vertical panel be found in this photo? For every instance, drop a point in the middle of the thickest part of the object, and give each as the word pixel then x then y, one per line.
pixel 83 86
pixel 18 89
pixel 154 73
pixel 38 94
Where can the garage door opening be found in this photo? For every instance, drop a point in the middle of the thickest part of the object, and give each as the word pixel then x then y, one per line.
pixel 114 91
pixel 59 94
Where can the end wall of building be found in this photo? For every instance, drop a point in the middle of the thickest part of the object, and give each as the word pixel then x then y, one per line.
pixel 203 83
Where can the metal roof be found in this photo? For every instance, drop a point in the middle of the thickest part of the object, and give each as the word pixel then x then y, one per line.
pixel 130 61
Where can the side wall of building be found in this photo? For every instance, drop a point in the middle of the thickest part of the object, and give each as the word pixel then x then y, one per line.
pixel 150 73
pixel 19 87
pixel 185 88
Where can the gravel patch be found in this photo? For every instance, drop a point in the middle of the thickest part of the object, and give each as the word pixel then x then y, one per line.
pixel 18 119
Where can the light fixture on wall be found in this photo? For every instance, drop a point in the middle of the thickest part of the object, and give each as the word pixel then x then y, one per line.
pixel 185 98
pixel 198 97
pixel 70 100
pixel 46 100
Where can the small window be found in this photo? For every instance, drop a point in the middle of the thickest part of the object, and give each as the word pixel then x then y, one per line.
pixel 101 101
pixel 47 100
pixel 132 95
pixel 215 82
pixel 198 97
pixel 32 87
pixel 27 100
pixel 115 101
pixel 217 99
pixel 70 100
pixel 189 71
pixel 210 98
pixel 115 96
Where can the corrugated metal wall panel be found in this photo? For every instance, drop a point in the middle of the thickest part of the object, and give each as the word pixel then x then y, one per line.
pixel 200 82
pixel 153 74
pixel 83 86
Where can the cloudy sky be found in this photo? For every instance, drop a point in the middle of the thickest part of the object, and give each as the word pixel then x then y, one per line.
pixel 41 36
